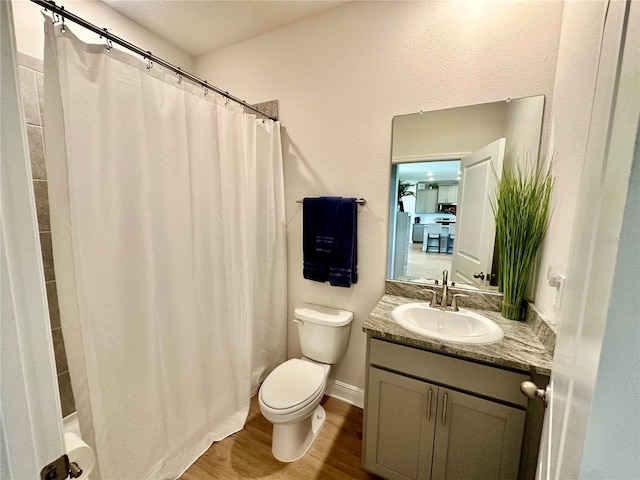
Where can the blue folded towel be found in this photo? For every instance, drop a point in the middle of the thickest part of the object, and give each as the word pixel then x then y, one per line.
pixel 329 238
pixel 343 267
pixel 318 216
pixel 324 243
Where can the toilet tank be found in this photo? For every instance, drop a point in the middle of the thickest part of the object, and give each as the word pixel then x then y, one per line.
pixel 323 332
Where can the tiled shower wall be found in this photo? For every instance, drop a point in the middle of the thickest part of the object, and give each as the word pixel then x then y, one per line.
pixel 31 91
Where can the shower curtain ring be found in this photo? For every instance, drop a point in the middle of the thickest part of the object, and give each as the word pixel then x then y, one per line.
pixel 179 73
pixel 109 44
pixel 226 98
pixel 149 62
pixel 63 29
pixel 56 17
pixel 206 88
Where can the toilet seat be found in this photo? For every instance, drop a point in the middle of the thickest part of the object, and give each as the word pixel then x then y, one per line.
pixel 292 385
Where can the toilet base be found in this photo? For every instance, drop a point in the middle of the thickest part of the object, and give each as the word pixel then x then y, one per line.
pixel 293 439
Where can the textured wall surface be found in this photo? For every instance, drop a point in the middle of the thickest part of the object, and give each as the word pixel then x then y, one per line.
pixel 569 130
pixel 340 78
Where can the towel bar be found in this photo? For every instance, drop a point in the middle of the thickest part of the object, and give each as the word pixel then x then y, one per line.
pixel 360 201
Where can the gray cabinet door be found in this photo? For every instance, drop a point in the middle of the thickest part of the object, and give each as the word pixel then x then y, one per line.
pixel 448 194
pixel 431 201
pixel 426 200
pixel 421 201
pixel 399 426
pixel 476 438
pixel 418 233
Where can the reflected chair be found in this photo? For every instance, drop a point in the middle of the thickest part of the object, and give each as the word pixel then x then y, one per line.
pixel 451 237
pixel 433 233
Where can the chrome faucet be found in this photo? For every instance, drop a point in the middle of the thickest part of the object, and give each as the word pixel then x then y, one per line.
pixel 445 291
pixel 445 288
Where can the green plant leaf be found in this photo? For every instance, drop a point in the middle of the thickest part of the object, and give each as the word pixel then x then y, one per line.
pixel 522 209
pixel 403 190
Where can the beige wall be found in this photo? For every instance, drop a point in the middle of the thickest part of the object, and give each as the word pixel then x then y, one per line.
pixel 342 76
pixel 460 130
pixel 465 129
pixel 452 130
pixel 569 127
pixel 521 139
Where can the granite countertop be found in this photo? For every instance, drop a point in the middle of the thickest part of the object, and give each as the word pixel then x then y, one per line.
pixel 520 348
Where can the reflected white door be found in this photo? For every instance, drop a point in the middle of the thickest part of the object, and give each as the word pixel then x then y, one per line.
pixel 475 224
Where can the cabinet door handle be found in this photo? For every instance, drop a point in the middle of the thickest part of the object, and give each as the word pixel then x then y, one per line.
pixel 444 409
pixel 429 401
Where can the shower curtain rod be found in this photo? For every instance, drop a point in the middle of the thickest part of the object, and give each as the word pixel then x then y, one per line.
pixel 103 32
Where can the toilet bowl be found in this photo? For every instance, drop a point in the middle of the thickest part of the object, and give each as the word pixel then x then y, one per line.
pixel 291 394
pixel 290 399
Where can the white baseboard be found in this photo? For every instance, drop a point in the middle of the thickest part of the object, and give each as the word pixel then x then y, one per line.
pixel 346 393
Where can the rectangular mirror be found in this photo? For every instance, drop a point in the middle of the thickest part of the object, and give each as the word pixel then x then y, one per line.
pixel 442 177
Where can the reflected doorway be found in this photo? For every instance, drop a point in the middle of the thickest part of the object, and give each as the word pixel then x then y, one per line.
pixel 425 200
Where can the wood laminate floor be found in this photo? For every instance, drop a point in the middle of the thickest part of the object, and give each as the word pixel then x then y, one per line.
pixel 426 265
pixel 335 454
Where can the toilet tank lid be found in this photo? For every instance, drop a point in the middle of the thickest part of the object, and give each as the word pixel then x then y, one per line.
pixel 323 315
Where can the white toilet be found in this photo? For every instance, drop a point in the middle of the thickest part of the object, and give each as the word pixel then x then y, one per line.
pixel 290 395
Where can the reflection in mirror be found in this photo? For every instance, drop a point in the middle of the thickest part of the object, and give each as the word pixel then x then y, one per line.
pixel 442 176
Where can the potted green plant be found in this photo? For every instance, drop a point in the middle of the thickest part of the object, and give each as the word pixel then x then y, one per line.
pixel 522 208
pixel 403 191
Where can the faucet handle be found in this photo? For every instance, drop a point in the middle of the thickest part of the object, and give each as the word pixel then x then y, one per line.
pixel 454 301
pixel 434 294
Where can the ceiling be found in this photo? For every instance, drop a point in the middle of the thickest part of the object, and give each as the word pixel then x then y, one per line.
pixel 444 171
pixel 202 26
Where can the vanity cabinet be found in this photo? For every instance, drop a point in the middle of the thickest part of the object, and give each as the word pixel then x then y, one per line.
pixel 398 429
pixel 430 416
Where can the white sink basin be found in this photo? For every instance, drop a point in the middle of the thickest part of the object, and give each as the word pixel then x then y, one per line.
pixel 463 326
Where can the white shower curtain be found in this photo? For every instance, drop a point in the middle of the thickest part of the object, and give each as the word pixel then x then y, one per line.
pixel 169 247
